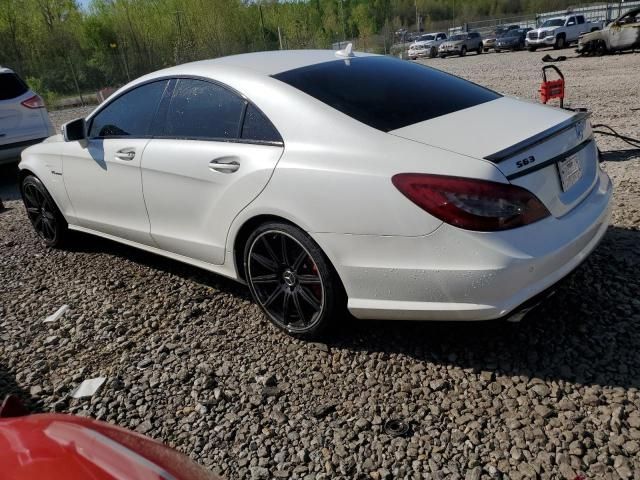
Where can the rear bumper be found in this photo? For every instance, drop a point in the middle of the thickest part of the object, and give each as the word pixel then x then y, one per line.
pixel 11 152
pixel 454 274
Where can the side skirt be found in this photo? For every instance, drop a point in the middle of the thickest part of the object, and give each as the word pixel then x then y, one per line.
pixel 224 270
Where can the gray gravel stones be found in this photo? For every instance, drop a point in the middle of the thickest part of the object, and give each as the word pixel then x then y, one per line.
pixel 190 361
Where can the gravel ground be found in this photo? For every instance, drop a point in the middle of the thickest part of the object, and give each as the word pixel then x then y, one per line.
pixel 190 360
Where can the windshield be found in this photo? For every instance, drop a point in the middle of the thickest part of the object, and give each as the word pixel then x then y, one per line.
pixel 458 37
pixel 424 38
pixel 513 33
pixel 556 22
pixel 373 90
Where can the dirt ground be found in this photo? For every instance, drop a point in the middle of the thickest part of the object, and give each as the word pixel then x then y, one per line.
pixel 191 361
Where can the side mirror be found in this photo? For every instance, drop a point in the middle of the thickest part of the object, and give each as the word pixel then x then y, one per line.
pixel 74 130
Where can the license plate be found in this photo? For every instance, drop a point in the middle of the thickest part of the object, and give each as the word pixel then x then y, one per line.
pixel 570 171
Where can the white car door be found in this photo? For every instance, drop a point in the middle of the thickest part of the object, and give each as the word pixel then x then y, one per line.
pixel 102 173
pixel 572 29
pixel 216 154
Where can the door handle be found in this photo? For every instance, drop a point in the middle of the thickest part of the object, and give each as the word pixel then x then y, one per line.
pixel 224 165
pixel 126 154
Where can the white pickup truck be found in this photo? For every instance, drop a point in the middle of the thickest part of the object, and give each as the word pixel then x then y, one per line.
pixel 560 32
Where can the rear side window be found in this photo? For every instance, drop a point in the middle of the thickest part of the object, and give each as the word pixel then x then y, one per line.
pixel 203 110
pixel 256 127
pixel 11 86
pixel 386 93
pixel 130 114
pixel 580 19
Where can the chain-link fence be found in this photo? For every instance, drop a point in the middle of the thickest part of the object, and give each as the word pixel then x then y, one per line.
pixel 605 12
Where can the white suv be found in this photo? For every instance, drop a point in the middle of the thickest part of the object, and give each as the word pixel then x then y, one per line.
pixel 426 45
pixel 23 117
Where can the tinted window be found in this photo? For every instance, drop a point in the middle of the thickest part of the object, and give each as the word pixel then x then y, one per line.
pixel 130 114
pixel 11 86
pixel 202 109
pixel 257 127
pixel 386 93
pixel 580 19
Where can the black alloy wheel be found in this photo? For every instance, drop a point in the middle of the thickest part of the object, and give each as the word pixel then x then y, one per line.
pixel 292 280
pixel 42 211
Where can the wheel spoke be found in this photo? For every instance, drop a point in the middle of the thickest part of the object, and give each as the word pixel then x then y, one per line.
pixel 270 251
pixel 296 303
pixel 283 248
pixel 273 296
pixel 309 298
pixel 265 262
pixel 37 223
pixel 263 279
pixel 309 279
pixel 33 210
pixel 298 262
pixel 285 305
pixel 31 199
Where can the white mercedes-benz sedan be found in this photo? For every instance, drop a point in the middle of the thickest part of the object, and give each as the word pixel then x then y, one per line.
pixel 314 178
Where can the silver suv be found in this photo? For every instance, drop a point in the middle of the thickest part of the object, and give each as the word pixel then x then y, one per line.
pixel 23 117
pixel 460 44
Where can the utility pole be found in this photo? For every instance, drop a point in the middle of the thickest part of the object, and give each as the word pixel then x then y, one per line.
pixel 417 17
pixel 280 37
pixel 264 41
pixel 179 46
pixel 344 28
pixel 453 14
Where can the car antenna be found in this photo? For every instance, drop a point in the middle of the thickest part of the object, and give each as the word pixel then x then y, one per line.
pixel 346 52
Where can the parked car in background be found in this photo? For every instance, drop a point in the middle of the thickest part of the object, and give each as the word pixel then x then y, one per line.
pixel 427 45
pixel 62 447
pixel 512 40
pixel 460 44
pixel 621 34
pixel 560 32
pixel 23 117
pixel 490 40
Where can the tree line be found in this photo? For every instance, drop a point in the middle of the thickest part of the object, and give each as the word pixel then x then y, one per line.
pixel 62 48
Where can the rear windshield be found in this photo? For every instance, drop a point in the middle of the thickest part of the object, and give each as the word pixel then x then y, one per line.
pixel 384 92
pixel 11 86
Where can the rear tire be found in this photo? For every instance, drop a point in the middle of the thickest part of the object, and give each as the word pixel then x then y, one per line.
pixel 532 49
pixel 43 212
pixel 292 280
pixel 433 53
pixel 560 42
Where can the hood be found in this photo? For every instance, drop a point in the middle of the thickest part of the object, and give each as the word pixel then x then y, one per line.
pixel 544 29
pixel 480 134
pixel 54 138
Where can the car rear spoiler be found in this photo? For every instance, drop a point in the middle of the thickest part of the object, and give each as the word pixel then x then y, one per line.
pixel 537 138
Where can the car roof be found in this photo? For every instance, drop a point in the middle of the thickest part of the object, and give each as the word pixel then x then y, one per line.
pixel 5 70
pixel 274 62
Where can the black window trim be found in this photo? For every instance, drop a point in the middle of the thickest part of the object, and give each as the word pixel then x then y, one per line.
pixel 166 97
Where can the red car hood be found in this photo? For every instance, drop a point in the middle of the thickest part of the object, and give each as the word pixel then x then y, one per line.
pixel 51 446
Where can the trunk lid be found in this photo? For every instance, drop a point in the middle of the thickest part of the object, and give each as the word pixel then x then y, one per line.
pixel 546 150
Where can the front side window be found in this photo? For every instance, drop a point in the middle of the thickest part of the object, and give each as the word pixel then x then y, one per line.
pixel 129 115
pixel 203 110
pixel 373 90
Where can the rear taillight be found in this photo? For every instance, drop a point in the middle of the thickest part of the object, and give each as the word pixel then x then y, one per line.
pixel 471 204
pixel 34 102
